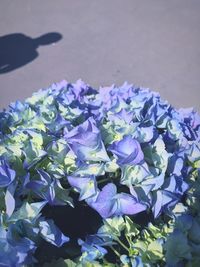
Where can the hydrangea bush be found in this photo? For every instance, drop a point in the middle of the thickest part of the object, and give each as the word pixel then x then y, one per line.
pixel 122 152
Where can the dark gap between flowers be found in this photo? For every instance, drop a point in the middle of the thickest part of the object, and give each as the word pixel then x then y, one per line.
pixel 75 223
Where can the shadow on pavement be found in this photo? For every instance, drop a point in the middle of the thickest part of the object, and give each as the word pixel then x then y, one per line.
pixel 17 49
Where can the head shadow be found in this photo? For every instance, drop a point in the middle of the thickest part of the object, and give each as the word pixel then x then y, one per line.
pixel 17 49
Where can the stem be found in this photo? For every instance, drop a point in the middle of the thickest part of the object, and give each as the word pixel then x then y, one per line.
pixel 128 239
pixel 115 251
pixel 122 244
pixel 103 180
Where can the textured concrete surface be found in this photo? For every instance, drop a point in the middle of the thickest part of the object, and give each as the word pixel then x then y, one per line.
pixel 151 43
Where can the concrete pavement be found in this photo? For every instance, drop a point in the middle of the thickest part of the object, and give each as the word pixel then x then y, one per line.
pixel 151 43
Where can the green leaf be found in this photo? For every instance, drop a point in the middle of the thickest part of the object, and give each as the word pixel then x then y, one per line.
pixel 113 227
pixel 131 228
pixel 90 264
pixel 155 250
pixel 15 149
pixel 60 263
pixel 141 246
pixel 2 150
pixel 155 231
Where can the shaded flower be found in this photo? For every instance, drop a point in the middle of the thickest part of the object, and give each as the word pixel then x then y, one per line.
pixel 194 152
pixel 177 248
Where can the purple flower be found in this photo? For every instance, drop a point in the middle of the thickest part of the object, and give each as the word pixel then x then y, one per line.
pixel 87 186
pixel 105 96
pixel 85 141
pixel 79 89
pixel 60 85
pixel 7 175
pixel 190 117
pixel 127 150
pixel 108 203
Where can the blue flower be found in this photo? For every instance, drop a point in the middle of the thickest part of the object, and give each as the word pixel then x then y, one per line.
pixel 7 175
pixel 177 248
pixel 45 187
pixel 108 203
pixel 190 118
pixel 10 199
pixel 49 189
pixel 85 141
pixel 58 140
pixel 51 233
pixel 79 89
pixel 175 165
pixel 145 134
pixel 170 193
pixel 128 151
pixel 122 116
pixel 92 248
pixel 86 186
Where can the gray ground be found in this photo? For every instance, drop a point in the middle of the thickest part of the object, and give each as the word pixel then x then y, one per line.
pixel 152 43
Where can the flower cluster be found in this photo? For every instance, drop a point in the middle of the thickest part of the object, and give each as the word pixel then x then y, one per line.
pixel 124 151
